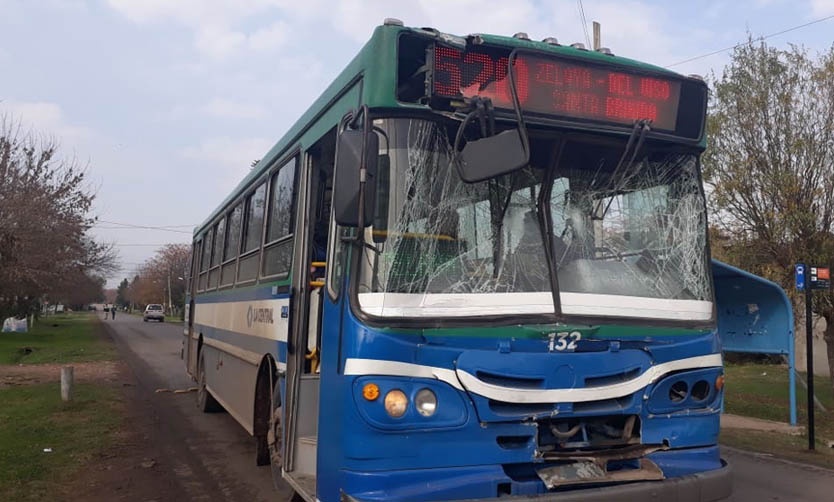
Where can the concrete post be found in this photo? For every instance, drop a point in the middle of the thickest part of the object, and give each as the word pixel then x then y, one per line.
pixel 66 383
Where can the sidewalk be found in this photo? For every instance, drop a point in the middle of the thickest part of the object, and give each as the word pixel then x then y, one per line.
pixel 729 421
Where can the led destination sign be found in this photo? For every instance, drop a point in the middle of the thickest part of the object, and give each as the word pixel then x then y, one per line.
pixel 563 87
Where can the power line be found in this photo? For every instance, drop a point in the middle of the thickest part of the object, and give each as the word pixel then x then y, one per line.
pixel 166 228
pixel 758 39
pixel 147 245
pixel 584 22
pixel 110 227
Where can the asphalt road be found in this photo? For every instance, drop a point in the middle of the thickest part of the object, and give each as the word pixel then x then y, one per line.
pixel 211 455
pixel 214 457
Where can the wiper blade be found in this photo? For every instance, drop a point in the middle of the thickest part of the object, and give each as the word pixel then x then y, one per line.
pixel 638 133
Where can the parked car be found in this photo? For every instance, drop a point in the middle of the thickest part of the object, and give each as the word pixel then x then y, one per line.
pixel 154 311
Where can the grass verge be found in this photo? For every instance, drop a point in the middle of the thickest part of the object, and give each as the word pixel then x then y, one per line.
pixel 33 418
pixel 761 391
pixel 59 338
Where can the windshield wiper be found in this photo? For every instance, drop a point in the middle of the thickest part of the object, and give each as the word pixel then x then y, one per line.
pixel 638 134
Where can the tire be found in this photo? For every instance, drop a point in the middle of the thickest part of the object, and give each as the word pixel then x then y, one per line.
pixel 275 438
pixel 205 401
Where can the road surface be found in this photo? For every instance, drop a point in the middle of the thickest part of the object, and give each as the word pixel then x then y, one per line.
pixel 214 457
pixel 211 455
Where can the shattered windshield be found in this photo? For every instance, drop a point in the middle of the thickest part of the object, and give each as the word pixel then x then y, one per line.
pixel 627 243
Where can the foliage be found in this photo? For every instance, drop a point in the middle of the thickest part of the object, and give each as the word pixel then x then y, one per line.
pixel 770 165
pixel 45 251
pixel 64 338
pixel 122 293
pixel 166 271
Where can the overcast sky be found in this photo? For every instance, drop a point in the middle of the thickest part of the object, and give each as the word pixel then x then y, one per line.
pixel 169 101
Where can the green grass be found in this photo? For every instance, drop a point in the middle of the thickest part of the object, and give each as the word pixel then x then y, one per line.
pixel 33 418
pixel 761 391
pixel 59 338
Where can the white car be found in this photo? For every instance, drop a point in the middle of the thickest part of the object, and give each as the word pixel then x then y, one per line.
pixel 154 311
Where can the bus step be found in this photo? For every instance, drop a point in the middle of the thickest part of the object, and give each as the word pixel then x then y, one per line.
pixel 305 455
pixel 310 440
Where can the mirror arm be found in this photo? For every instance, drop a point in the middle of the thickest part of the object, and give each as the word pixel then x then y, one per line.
pixel 363 169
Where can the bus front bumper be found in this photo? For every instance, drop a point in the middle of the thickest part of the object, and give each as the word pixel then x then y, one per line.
pixel 701 487
pixel 705 486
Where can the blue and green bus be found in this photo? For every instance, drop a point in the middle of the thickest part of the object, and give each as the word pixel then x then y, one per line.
pixel 477 267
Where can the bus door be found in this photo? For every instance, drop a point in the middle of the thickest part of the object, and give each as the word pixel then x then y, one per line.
pixel 303 369
pixel 190 344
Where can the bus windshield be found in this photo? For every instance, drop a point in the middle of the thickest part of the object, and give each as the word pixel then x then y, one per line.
pixel 627 239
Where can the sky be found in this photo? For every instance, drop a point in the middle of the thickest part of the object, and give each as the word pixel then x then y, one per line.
pixel 168 102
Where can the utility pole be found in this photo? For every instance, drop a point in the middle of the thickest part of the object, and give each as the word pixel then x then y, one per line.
pixel 597 36
pixel 809 357
pixel 808 278
pixel 170 308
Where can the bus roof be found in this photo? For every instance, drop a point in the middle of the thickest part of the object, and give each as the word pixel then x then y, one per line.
pixel 377 62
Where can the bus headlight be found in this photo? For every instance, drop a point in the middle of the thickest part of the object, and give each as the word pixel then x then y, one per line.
pixel 396 403
pixel 426 402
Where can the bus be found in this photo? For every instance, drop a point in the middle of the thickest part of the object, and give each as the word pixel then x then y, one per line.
pixel 477 267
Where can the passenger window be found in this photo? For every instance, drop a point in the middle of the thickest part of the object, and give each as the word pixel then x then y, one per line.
pixel 253 224
pixel 206 258
pixel 278 251
pixel 219 234
pixel 233 234
pixel 280 203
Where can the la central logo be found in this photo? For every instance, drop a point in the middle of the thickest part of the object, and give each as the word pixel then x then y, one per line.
pixel 258 315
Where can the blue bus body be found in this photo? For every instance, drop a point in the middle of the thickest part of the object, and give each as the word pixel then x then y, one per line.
pixel 566 396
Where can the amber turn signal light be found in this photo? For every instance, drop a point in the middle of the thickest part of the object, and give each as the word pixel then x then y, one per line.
pixel 719 382
pixel 370 391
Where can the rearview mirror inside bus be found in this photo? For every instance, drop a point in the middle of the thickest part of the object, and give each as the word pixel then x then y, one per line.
pixel 486 158
pixel 348 165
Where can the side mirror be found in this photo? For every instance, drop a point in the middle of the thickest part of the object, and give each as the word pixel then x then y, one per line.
pixel 486 158
pixel 347 182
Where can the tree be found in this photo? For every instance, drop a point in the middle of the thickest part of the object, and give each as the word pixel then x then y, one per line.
pixel 121 294
pixel 770 164
pixel 163 276
pixel 44 219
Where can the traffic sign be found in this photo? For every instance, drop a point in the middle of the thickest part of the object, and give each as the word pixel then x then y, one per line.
pixel 799 270
pixel 820 278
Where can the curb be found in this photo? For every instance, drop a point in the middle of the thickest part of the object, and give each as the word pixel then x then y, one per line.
pixel 771 457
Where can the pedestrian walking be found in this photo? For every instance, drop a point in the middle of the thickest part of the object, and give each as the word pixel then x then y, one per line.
pixel 113 311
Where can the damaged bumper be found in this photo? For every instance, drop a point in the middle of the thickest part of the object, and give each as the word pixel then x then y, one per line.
pixel 701 487
pixel 707 486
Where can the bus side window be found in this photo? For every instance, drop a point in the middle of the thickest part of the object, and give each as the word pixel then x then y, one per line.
pixel 279 242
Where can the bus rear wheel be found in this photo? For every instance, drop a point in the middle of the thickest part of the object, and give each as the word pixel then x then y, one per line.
pixel 205 401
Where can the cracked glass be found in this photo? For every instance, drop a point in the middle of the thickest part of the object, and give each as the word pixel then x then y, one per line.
pixel 627 239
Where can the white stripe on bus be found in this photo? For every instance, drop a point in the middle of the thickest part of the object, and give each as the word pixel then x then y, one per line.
pixel 397 368
pixel 525 395
pixel 236 317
